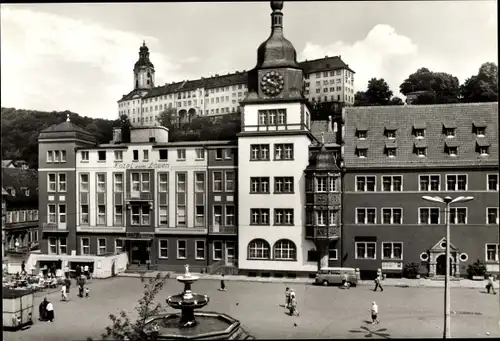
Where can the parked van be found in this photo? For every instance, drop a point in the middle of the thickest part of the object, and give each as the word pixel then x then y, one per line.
pixel 328 276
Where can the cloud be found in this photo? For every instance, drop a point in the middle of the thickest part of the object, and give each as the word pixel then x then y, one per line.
pixel 383 53
pixel 51 62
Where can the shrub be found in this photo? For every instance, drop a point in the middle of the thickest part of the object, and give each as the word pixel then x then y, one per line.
pixel 411 270
pixel 478 268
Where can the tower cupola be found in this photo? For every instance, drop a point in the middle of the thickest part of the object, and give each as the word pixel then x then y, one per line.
pixel 144 70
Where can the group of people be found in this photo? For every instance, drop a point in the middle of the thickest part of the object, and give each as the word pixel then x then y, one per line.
pixel 291 302
pixel 82 289
pixel 46 311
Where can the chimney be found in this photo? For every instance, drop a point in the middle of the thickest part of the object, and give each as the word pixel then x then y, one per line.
pixel 330 124
pixel 117 135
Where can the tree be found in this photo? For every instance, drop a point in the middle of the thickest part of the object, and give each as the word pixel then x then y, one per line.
pixel 436 87
pixel 123 328
pixel 377 93
pixel 482 87
pixel 168 118
pixel 124 124
pixel 396 101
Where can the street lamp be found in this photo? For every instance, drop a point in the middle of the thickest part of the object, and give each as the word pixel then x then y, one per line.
pixel 448 201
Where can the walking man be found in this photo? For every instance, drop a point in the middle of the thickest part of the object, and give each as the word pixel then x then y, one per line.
pixel 287 297
pixel 222 284
pixel 374 311
pixel 490 286
pixel 378 283
pixel 64 296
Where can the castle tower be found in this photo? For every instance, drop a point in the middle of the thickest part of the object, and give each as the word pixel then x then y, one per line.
pixel 144 70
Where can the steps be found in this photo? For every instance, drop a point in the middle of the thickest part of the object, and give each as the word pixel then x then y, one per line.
pixel 135 268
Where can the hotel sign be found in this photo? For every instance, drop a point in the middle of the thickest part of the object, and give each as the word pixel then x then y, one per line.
pixel 141 165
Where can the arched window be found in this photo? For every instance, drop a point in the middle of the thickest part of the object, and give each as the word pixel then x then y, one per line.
pixel 259 249
pixel 285 249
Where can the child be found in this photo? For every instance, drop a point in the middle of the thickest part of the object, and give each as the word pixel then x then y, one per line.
pixel 50 312
pixel 222 284
pixel 287 297
pixel 64 296
pixel 87 292
pixel 293 305
pixel 374 311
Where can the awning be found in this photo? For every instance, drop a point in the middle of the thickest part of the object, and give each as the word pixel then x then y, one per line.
pixel 452 143
pixel 362 145
pixel 419 125
pixel 391 144
pixel 420 144
pixel 480 124
pixel 482 142
pixel 449 125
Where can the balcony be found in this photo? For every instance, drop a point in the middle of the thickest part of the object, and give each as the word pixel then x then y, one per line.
pixel 223 230
pixel 21 219
pixel 53 227
pixel 139 196
pixel 22 249
pixel 323 232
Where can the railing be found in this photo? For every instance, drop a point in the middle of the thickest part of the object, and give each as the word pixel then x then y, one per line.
pixel 322 232
pixel 54 227
pixel 146 196
pixel 22 216
pixel 219 229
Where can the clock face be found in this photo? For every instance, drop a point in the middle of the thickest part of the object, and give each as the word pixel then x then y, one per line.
pixel 272 83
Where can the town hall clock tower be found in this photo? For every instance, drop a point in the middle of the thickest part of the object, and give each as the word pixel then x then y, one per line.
pixel 273 152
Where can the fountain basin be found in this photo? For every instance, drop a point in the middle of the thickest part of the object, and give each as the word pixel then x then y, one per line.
pixel 194 301
pixel 210 326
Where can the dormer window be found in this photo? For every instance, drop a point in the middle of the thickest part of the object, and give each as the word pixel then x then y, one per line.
pixel 390 148
pixel 452 151
pixel 483 151
pixel 391 152
pixel 450 132
pixel 391 134
pixel 480 132
pixel 480 128
pixel 482 146
pixel 361 132
pixel 420 133
pixel 421 152
pixel 451 147
pixel 421 148
pixel 362 153
pixel 419 130
pixel 362 149
pixel 449 128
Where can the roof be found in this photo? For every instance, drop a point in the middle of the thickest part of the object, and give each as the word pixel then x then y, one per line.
pixel 319 127
pixel 432 117
pixel 308 66
pixel 19 179
pixel 65 126
pixel 6 163
pixel 4 192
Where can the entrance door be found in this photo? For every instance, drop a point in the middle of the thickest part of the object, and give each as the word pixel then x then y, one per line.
pixel 230 253
pixel 441 266
pixel 138 252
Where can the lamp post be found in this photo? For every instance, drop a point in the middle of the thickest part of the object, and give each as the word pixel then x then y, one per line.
pixel 448 201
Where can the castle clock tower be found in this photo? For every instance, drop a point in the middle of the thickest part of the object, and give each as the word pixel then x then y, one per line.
pixel 144 70
pixel 273 152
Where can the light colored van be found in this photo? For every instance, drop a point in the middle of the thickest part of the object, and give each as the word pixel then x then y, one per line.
pixel 329 276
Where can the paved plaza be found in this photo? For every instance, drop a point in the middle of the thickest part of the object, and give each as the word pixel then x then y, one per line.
pixel 325 312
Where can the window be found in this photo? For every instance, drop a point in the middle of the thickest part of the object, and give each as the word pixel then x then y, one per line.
pixel 228 153
pixel 101 246
pixel 492 215
pixel 283 216
pixel 119 245
pixel 136 216
pixel 199 182
pixel 145 155
pixel 84 214
pixel 259 216
pixel 362 152
pixel 52 245
pixel 101 182
pixel 163 215
pixel 101 214
pixel 50 156
pixel 458 215
pixel 365 183
pixel 365 250
pixel 392 251
pixel 229 181
pixel 321 182
pixel 163 154
pixel 391 134
pixel 218 153
pixel 62 214
pixel 452 151
pixel 428 215
pixel 181 154
pixel 118 215
pixel 63 156
pixel 391 152
pixel 283 151
pixel 492 252
pixel 181 249
pixel 200 153
pixel 52 182
pixel 200 215
pixel 429 183
pixel 217 184
pixel 283 184
pixel 181 215
pixel 392 216
pixel 163 182
pixel 85 246
pixel 229 215
pixel 200 249
pixel 217 215
pixel 361 134
pixel 163 246
pixel 366 216
pixel 101 155
pixel 450 132
pixel 259 152
pixel 259 185
pixel 118 155
pixel 420 133
pixel 144 182
pixel 135 182
pixel 392 183
pixel 217 250
pixel 456 182
pixel 118 183
pixel 63 246
pixel 56 156
pixel 492 182
pixel 145 215
pixel 285 250
pixel 421 151
pixel 483 150
pixel 258 249
pixel 85 156
pixel 52 214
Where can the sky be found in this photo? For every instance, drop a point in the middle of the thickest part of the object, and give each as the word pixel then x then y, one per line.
pixel 79 57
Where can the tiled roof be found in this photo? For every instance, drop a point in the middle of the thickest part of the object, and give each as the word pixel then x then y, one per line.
pixel 21 178
pixel 308 66
pixel 432 117
pixel 65 127
pixel 318 127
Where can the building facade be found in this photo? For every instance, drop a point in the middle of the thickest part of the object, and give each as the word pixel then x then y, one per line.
pixel 393 157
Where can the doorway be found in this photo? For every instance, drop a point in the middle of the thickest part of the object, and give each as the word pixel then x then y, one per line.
pixel 138 251
pixel 230 253
pixel 441 265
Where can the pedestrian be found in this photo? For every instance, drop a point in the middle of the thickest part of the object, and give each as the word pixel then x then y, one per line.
pixel 378 283
pixel 53 269
pixel 81 284
pixel 67 281
pixel 50 312
pixel 374 311
pixel 23 267
pixel 293 305
pixel 86 271
pixel 78 271
pixel 87 292
pixel 345 281
pixel 42 310
pixel 490 286
pixel 64 295
pixel 222 284
pixel 287 297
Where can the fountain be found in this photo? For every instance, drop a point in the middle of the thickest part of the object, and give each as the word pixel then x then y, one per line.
pixel 191 325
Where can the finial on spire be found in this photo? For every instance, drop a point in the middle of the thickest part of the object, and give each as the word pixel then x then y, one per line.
pixel 143 43
pixel 276 5
pixel 67 117
pixel 322 138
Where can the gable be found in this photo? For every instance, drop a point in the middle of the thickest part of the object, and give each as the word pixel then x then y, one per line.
pixel 439 247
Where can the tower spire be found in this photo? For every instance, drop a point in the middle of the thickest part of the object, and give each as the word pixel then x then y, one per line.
pixel 276 17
